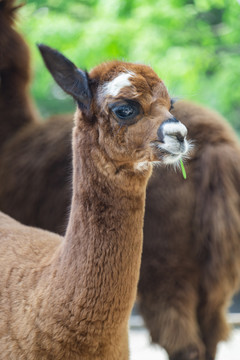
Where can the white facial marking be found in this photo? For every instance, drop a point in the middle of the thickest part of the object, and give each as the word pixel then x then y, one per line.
pixel 173 157
pixel 172 132
pixel 173 146
pixel 171 128
pixel 174 143
pixel 114 87
pixel 170 160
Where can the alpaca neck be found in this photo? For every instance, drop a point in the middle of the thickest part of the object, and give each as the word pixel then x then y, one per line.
pixel 103 243
pixel 16 108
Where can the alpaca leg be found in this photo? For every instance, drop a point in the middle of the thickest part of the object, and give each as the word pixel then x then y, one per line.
pixel 192 352
pixel 214 327
pixel 171 319
pixel 180 337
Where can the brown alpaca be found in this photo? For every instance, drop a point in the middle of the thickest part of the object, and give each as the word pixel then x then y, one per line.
pixel 190 226
pixel 71 297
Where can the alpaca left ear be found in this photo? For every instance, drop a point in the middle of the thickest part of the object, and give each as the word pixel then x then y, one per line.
pixel 71 79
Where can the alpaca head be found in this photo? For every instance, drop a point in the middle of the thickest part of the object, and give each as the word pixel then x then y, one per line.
pixel 126 106
pixel 14 54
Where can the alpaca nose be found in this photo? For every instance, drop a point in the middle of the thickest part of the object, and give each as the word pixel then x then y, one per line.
pixel 172 128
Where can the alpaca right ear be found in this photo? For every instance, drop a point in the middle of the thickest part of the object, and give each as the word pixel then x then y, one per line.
pixel 71 79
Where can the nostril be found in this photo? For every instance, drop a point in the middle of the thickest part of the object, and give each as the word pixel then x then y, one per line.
pixel 179 137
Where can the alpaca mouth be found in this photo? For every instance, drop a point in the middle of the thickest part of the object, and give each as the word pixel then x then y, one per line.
pixel 172 150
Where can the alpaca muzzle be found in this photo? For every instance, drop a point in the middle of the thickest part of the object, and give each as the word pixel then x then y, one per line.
pixel 172 140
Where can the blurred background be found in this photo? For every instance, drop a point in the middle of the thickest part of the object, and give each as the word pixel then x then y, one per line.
pixel 193 45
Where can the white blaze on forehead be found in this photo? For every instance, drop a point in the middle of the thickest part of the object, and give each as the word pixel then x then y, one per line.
pixel 114 86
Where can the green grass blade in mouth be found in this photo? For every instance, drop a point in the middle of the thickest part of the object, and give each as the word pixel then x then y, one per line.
pixel 183 169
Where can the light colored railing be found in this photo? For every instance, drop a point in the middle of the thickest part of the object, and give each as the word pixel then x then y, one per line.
pixel 234 319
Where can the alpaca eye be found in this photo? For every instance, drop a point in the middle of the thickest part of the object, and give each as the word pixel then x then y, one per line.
pixel 126 112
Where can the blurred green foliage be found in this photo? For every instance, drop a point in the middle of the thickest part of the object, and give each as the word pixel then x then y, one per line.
pixel 193 45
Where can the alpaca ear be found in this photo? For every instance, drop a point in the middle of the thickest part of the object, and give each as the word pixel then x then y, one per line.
pixel 71 79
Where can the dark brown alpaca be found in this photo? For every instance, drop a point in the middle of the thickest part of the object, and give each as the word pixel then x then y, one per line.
pixel 16 110
pixel 190 265
pixel 71 297
pixel 21 133
pixel 189 271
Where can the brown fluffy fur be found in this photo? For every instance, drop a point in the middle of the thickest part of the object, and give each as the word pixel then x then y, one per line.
pixel 21 131
pixel 191 237
pixel 16 109
pixel 190 265
pixel 71 297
